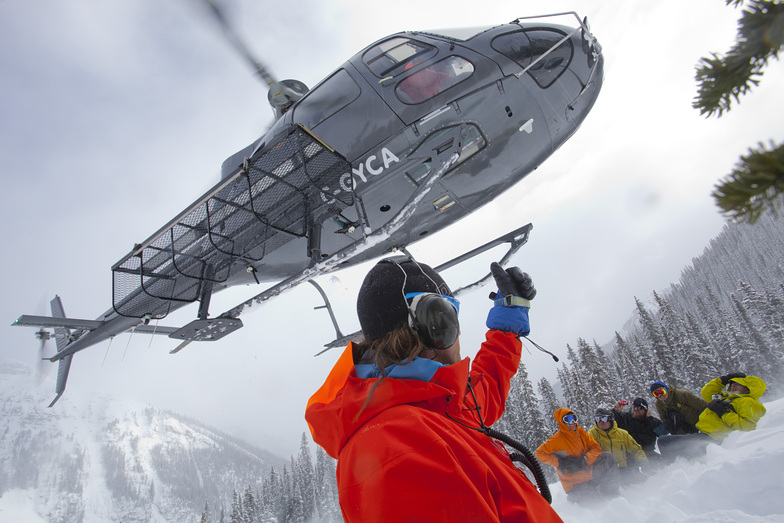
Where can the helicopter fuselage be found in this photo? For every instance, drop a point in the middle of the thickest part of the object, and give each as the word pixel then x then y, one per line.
pixel 510 124
pixel 497 101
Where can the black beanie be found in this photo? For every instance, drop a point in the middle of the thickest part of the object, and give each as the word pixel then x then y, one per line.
pixel 381 304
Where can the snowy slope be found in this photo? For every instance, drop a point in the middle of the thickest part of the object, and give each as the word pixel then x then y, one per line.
pixel 741 480
pixel 100 459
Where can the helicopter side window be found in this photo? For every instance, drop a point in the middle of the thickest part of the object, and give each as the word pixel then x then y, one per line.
pixel 392 57
pixel 326 99
pixel 524 47
pixel 434 79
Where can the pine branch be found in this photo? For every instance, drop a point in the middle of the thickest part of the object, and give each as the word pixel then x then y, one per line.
pixel 760 38
pixel 753 185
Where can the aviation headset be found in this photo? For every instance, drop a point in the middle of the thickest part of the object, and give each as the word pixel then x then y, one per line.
pixel 431 315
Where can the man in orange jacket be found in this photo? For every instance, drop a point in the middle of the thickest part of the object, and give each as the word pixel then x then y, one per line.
pixel 405 416
pixel 584 470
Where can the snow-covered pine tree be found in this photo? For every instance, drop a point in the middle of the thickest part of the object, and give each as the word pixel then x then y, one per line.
pixel 206 517
pixel 250 509
pixel 763 314
pixel 774 318
pixel 629 376
pixel 522 419
pixel 569 386
pixel 728 329
pixel 677 341
pixel 582 402
pixel 549 405
pixel 654 343
pixel 710 321
pixel 306 478
pixel 612 376
pixel 235 516
pixel 702 360
pixel 600 391
pixel 757 354
pixel 326 487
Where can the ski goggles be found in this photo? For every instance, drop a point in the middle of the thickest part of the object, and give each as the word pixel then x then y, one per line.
pixel 660 393
pixel 455 303
pixel 603 419
pixel 570 418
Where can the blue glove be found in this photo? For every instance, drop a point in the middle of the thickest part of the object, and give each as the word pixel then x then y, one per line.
pixel 515 289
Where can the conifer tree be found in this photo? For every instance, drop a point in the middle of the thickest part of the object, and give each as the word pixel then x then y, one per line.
pixel 249 506
pixel 306 478
pixel 756 354
pixel 677 340
pixel 522 419
pixel 236 510
pixel 567 385
pixel 758 179
pixel 549 405
pixel 611 371
pixel 602 394
pixel 702 360
pixel 629 376
pixel 775 317
pixel 655 344
pixel 763 313
pixel 327 487
pixel 206 517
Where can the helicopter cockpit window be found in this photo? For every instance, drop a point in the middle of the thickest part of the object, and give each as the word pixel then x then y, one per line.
pixel 325 100
pixel 434 79
pixel 392 57
pixel 461 34
pixel 524 47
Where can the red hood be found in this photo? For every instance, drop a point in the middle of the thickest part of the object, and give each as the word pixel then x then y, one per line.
pixel 336 410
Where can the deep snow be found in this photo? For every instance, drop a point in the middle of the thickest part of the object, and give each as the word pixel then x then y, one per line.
pixel 741 480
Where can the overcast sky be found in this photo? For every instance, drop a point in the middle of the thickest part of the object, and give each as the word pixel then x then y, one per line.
pixel 114 116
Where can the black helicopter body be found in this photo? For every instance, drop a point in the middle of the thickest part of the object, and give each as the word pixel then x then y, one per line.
pixel 408 136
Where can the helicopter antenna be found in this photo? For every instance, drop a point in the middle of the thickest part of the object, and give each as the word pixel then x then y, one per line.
pixel 282 94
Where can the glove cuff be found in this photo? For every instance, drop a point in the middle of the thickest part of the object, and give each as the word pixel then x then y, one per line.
pixel 511 301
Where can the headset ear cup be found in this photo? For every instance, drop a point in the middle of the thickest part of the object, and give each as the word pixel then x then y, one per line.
pixel 435 321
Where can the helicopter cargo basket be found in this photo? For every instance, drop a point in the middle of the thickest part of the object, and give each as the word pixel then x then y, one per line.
pixel 273 198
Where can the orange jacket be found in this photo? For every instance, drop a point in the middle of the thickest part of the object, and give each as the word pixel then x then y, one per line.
pixel 403 459
pixel 574 443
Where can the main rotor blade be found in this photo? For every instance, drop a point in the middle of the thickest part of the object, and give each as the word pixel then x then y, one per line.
pixel 235 40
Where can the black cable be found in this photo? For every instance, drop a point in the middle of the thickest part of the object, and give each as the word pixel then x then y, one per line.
pixel 531 462
pixel 539 347
pixel 526 457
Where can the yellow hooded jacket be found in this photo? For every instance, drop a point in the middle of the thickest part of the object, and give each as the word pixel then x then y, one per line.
pixel 619 442
pixel 746 408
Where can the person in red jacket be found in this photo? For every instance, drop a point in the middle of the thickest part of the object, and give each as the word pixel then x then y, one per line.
pixel 406 416
pixel 584 470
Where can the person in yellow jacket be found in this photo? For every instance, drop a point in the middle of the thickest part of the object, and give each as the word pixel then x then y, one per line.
pixel 735 408
pixel 619 443
pixel 583 469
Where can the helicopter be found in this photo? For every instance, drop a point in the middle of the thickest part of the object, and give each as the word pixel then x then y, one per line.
pixel 406 137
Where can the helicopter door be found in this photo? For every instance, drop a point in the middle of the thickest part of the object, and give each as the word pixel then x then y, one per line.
pixel 349 118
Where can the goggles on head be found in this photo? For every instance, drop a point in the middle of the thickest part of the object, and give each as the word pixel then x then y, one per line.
pixel 454 301
pixel 641 407
pixel 660 393
pixel 570 418
pixel 603 419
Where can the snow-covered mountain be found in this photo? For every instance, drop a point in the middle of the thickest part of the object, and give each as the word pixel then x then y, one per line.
pixel 100 459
